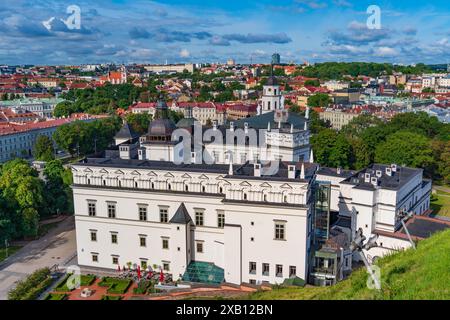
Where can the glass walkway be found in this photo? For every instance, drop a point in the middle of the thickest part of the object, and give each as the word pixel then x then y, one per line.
pixel 203 272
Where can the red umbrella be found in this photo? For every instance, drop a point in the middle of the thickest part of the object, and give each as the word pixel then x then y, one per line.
pixel 161 276
pixel 139 272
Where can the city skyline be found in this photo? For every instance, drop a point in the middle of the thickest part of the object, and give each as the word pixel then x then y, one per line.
pixel 125 31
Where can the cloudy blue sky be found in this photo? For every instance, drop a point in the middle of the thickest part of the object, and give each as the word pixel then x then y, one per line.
pixel 211 30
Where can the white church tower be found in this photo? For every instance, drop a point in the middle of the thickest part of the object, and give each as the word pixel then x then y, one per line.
pixel 272 98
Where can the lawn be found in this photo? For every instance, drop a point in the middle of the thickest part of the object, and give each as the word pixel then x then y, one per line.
pixel 115 286
pixel 11 251
pixel 420 274
pixel 440 203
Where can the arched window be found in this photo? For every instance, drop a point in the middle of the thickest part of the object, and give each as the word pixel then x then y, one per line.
pixel 265 198
pixel 203 189
pixel 169 186
pixel 153 185
pixel 285 199
pixel 245 196
pixel 186 188
pixel 220 190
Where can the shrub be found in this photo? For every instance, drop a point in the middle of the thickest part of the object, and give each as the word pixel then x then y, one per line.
pixel 112 297
pixel 62 285
pixel 142 287
pixel 32 286
pixel 56 296
pixel 116 286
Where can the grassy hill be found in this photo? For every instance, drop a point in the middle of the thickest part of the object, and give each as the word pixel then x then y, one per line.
pixel 420 274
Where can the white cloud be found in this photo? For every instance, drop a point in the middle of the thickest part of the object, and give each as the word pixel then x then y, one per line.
pixel 184 53
pixel 385 52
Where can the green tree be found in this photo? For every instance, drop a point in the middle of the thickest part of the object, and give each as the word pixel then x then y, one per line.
pixel 323 144
pixel 312 83
pixel 357 125
pixel 319 100
pixel 341 152
pixel 405 148
pixel 57 187
pixel 43 148
pixel 64 109
pixel 139 121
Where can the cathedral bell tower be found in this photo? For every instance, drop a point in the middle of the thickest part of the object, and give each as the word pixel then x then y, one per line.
pixel 271 99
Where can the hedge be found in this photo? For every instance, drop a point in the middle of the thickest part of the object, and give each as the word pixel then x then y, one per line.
pixel 112 298
pixel 31 287
pixel 116 286
pixel 142 287
pixel 56 296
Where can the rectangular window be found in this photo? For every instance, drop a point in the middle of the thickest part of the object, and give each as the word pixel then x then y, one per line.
pixel 164 215
pixel 292 271
pixel 279 270
pixel 142 213
pixel 94 257
pixel 114 238
pixel 280 231
pixel 166 266
pixel 200 247
pixel 220 220
pixel 93 236
pixel 111 210
pixel 144 264
pixel 91 209
pixel 265 269
pixel 252 268
pixel 199 218
pixel 143 241
pixel 115 260
pixel 165 243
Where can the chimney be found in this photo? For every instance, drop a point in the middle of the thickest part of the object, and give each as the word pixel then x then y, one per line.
pixel 268 126
pixel 367 177
pixel 338 170
pixel 257 169
pixel 215 125
pixel 389 171
pixel 193 157
pixel 231 126
pixel 302 172
pixel 306 126
pixel 394 167
pixel 230 169
pixel 374 181
pixel 292 128
pixel 246 127
pixel 378 173
pixel 291 172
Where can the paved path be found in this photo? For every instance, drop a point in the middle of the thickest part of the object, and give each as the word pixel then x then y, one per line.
pixel 441 188
pixel 57 247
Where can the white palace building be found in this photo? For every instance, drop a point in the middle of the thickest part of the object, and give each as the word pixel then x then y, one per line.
pixel 215 213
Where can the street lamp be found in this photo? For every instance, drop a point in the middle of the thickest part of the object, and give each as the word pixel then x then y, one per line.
pixel 405 216
pixel 358 245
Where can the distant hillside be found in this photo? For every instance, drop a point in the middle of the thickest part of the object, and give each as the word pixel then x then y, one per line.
pixel 420 274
